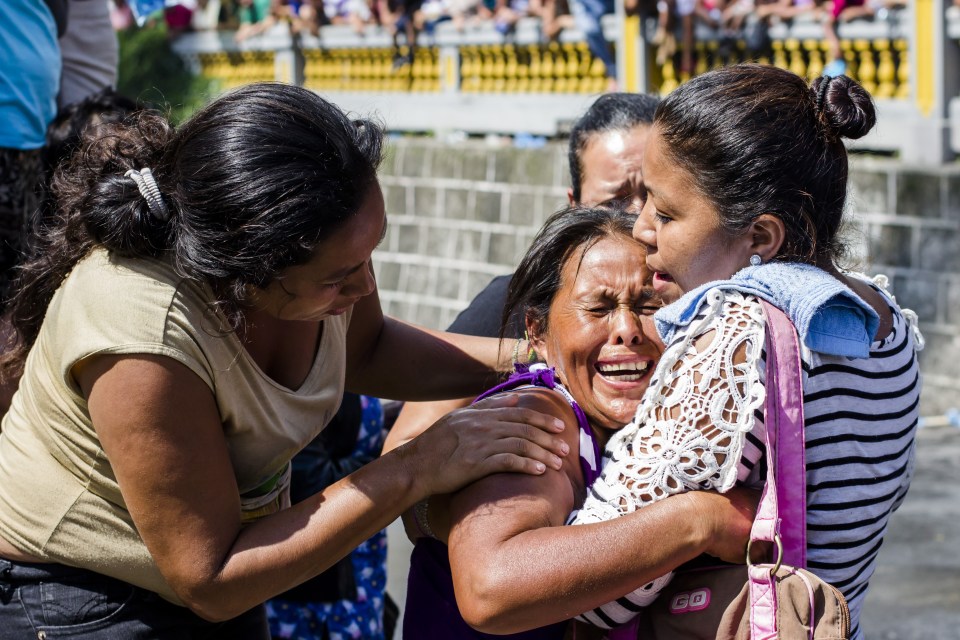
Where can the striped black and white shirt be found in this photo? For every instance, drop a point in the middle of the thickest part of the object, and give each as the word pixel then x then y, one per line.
pixel 860 419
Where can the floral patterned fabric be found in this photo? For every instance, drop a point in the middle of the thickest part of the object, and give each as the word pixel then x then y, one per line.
pixel 345 619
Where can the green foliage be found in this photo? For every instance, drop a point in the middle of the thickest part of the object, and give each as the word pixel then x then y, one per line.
pixel 151 71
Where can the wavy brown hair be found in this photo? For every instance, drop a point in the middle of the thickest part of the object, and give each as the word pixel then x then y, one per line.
pixel 254 182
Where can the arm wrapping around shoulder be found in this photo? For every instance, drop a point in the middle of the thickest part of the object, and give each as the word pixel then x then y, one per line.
pixel 690 429
pixel 689 432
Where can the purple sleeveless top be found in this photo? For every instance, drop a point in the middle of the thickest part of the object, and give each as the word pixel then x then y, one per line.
pixel 431 608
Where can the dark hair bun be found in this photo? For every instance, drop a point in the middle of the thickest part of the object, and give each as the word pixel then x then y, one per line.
pixel 846 109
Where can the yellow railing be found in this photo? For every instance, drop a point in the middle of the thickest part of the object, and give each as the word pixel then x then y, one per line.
pixel 456 79
pixel 235 68
pixel 881 65
pixel 370 69
pixel 532 68
pixel 478 61
pixel 877 53
pixel 484 62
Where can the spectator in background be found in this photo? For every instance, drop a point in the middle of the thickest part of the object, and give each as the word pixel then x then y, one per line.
pixel 789 9
pixel 179 17
pixel 310 17
pixel 348 600
pixel 459 12
pixel 710 11
pixel 845 11
pixel 734 15
pixel 474 11
pixel 356 13
pixel 30 69
pixel 254 16
pixel 88 50
pixel 206 17
pixel 507 13
pixel 587 15
pixel 664 38
pixel 837 66
pixel 749 21
pixel 121 16
pixel 431 13
pixel 401 21
pixel 554 16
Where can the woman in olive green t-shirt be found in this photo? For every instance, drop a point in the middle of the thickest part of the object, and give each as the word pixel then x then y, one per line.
pixel 191 322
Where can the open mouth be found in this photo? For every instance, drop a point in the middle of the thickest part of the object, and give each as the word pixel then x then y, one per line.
pixel 662 283
pixel 624 371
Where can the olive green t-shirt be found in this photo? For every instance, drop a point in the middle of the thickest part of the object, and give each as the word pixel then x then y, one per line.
pixel 59 499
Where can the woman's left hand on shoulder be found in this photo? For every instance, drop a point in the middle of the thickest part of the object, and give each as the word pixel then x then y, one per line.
pixel 491 436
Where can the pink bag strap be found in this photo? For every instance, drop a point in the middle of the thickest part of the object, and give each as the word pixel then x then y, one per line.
pixel 791 472
pixel 781 515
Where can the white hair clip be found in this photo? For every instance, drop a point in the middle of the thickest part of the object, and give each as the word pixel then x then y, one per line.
pixel 150 192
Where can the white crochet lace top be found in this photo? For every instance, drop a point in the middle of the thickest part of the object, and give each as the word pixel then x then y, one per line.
pixel 690 429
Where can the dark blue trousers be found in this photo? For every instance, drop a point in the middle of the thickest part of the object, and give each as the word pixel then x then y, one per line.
pixel 49 601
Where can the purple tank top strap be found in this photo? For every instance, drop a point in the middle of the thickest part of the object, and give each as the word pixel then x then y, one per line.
pixel 540 375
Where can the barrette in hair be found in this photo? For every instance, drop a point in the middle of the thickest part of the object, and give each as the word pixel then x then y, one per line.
pixel 150 192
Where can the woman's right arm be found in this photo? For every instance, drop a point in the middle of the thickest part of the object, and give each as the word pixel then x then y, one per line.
pixel 160 429
pixel 515 567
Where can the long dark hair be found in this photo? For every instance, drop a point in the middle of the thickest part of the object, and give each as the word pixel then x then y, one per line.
pixel 537 279
pixel 253 181
pixel 759 140
pixel 610 112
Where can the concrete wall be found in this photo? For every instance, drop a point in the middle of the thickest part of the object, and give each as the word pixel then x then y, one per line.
pixel 461 214
pixel 907 224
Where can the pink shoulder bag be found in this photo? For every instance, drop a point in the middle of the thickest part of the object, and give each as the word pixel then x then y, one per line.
pixel 780 599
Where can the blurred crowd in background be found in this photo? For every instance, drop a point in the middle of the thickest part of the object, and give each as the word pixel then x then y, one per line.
pixel 403 19
pixel 750 20
pixel 678 21
pixel 252 17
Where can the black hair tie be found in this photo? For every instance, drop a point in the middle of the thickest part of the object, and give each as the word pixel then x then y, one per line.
pixel 822 92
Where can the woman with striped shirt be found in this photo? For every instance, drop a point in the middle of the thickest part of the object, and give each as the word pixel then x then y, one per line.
pixel 746 172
